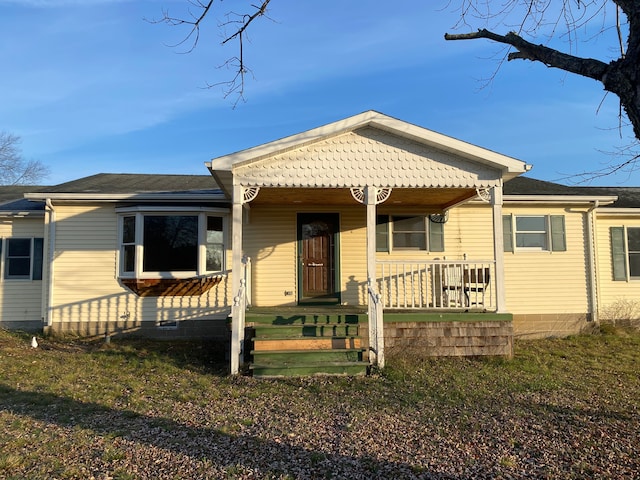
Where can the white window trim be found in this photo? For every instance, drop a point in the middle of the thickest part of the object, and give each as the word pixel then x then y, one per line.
pixel 141 211
pixel 391 248
pixel 5 255
pixel 627 267
pixel 547 233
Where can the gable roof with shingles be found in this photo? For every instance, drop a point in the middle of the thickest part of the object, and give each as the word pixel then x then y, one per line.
pixel 628 197
pixel 136 183
pixel 365 149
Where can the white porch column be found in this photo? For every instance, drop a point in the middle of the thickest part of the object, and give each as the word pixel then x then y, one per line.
pixel 498 247
pixel 376 327
pixel 238 309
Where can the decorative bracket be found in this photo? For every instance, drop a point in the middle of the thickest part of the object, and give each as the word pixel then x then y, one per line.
pixel 382 194
pixel 484 194
pixel 249 193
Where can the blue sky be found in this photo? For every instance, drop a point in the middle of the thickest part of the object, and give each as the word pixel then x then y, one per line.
pixel 91 87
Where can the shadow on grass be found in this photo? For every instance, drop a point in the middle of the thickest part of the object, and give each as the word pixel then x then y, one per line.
pixel 226 451
pixel 205 356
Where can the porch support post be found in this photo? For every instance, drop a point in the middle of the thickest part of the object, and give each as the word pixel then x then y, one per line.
pixel 376 327
pixel 238 309
pixel 498 247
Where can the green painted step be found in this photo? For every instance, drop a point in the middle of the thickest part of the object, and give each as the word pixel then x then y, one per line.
pixel 305 319
pixel 295 357
pixel 335 368
pixel 302 330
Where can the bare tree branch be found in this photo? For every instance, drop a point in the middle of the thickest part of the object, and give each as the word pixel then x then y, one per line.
pixel 587 67
pixel 236 84
pixel 14 168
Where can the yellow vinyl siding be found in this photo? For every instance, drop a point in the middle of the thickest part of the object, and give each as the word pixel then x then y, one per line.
pixel 20 300
pixel 613 293
pixel 270 242
pixel 544 282
pixel 86 286
pixel 353 252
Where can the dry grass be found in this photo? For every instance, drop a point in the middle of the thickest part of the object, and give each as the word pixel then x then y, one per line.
pixel 562 408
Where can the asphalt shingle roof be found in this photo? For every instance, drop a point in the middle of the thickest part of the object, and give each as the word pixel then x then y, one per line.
pixel 628 197
pixel 138 183
pixel 11 197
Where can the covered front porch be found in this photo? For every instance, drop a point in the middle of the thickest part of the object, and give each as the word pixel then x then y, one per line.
pixel 367 214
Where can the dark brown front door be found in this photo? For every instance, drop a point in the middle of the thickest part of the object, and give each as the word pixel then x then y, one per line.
pixel 317 238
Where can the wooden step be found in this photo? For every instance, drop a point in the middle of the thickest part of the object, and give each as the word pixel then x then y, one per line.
pixel 303 370
pixel 305 343
pixel 305 319
pixel 294 357
pixel 300 330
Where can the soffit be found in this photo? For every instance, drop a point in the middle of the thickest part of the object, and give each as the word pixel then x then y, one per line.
pixel 366 156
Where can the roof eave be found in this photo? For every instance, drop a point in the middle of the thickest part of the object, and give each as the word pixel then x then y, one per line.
pixel 561 199
pixel 619 211
pixel 110 197
pixel 20 213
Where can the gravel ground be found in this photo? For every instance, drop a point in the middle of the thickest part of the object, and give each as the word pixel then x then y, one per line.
pixel 279 437
pixel 157 419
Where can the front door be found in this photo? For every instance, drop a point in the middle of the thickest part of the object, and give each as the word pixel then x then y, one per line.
pixel 317 253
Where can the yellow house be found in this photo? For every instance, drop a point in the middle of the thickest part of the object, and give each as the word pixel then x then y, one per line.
pixel 323 248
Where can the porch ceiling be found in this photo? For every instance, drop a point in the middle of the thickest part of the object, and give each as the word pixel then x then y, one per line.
pixel 435 198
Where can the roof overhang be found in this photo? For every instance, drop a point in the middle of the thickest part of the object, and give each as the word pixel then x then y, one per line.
pixel 138 197
pixel 22 214
pixel 560 199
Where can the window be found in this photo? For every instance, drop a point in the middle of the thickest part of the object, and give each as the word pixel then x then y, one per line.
pixel 23 258
pixel 625 252
pixel 534 232
pixel 404 232
pixel 171 245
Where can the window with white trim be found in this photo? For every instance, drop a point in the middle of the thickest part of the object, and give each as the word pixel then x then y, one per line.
pixel 171 244
pixel 534 232
pixel 23 258
pixel 625 253
pixel 408 232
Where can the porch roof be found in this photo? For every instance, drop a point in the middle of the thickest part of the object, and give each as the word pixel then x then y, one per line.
pixel 366 149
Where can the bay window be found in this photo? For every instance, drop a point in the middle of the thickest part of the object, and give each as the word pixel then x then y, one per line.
pixel 171 244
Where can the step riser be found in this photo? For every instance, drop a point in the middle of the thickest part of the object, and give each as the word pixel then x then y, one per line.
pixel 307 331
pixel 306 319
pixel 306 344
pixel 299 358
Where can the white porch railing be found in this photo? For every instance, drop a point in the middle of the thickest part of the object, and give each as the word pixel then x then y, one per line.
pixel 437 284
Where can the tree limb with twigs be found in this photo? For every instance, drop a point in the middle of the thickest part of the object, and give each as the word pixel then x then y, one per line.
pixel 569 19
pixel 14 168
pixel 239 23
